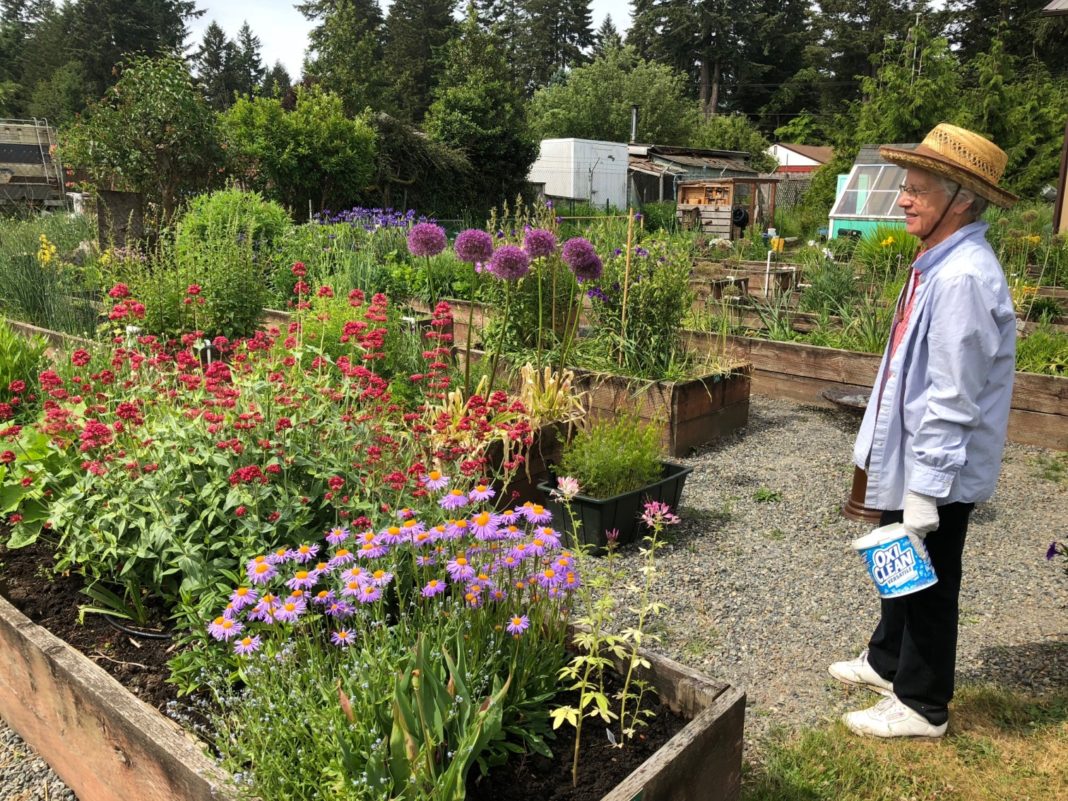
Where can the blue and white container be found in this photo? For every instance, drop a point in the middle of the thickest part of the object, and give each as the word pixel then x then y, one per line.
pixel 897 562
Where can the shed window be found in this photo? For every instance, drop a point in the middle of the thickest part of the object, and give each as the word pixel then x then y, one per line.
pixel 871 192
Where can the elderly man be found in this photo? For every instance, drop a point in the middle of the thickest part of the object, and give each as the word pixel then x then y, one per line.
pixel 934 429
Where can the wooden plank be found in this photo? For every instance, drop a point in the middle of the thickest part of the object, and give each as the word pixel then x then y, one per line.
pixel 1040 393
pixel 1038 428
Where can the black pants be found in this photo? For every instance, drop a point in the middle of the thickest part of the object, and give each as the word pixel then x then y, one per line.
pixel 915 644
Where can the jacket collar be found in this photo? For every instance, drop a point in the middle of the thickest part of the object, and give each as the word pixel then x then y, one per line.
pixel 930 258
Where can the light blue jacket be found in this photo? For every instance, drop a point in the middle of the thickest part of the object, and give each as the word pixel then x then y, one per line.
pixel 940 428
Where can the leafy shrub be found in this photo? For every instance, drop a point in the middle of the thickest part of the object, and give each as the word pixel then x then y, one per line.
pixel 611 457
pixel 660 217
pixel 20 361
pixel 220 214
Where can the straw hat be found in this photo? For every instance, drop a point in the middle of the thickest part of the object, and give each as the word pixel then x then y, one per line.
pixel 962 156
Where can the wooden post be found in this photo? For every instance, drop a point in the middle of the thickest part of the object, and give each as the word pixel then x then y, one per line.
pixel 1060 208
pixel 626 281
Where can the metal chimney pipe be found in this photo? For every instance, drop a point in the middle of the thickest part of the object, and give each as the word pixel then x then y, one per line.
pixel 633 124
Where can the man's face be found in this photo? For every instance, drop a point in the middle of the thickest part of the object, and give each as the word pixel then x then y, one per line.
pixel 923 202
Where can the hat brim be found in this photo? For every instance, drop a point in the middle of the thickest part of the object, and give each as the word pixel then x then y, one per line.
pixel 925 158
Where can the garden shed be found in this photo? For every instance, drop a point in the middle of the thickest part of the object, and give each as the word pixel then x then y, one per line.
pixel 727 206
pixel 867 196
pixel 28 172
pixel 656 171
pixel 582 169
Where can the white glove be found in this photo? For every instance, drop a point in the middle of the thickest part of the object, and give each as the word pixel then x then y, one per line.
pixel 921 514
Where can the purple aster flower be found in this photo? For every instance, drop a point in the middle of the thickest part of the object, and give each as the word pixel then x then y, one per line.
pixel 435 480
pixel 337 535
pixel 496 594
pixel 265 609
pixel 242 597
pixel 484 526
pixel 426 239
pixel 342 556
pixel 517 625
pixel 536 513
pixel 473 246
pixel 340 609
pixel 379 578
pixel 411 528
pixel 434 587
pixel 224 628
pixel 369 594
pixel 509 263
pixel 425 561
pixel 302 580
pixel 580 256
pixel 459 569
pixel 342 638
pixel 509 516
pixel 351 588
pixel 549 538
pixel 261 572
pixel 570 581
pixel 483 492
pixel 372 550
pixel 280 556
pixel 457 529
pixel 473 596
pixel 290 609
pixel 454 499
pixel 539 243
pixel 304 553
pixel 548 577
pixel 247 645
pixel 324 597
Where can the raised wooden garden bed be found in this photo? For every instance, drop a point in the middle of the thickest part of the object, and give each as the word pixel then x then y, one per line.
pixel 692 413
pixel 800 372
pixel 107 745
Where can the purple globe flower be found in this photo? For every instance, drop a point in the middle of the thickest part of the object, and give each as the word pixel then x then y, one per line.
pixel 539 243
pixel 426 239
pixel 509 263
pixel 579 255
pixel 473 246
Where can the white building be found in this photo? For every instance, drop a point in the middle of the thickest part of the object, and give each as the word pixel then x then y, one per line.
pixel 582 169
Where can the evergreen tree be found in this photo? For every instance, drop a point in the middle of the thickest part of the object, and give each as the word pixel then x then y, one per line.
pixel 277 82
pixel 507 20
pixel 214 63
pixel 480 112
pixel 248 63
pixel 558 34
pixel 345 51
pixel 416 34
pixel 606 38
pixel 1019 25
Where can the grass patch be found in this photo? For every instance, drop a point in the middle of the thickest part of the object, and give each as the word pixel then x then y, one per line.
pixel 765 495
pixel 1001 745
pixel 1053 468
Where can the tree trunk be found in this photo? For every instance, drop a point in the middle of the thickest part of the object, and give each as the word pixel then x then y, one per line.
pixel 713 102
pixel 705 87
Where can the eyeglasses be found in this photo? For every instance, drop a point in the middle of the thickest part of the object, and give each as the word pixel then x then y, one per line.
pixel 913 191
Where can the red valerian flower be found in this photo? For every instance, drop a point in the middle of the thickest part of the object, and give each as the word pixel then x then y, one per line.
pixel 193 289
pixel 80 357
pixel 298 269
pixel 119 291
pixel 17 387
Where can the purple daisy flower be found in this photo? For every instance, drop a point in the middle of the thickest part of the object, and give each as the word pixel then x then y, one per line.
pixel 342 638
pixel 242 597
pixel 247 645
pixel 261 572
pixel 304 553
pixel 459 569
pixel 453 499
pixel 342 556
pixel 324 597
pixel 337 535
pixel 412 527
pixel 539 243
pixel 508 562
pixel 484 526
pixel 509 263
pixel 369 593
pixel 264 610
pixel 302 580
pixel 570 581
pixel 290 609
pixel 372 550
pixel 224 628
pixel 509 516
pixel 435 480
pixel 580 256
pixel 280 556
pixel 517 625
pixel 425 561
pixel 426 239
pixel 473 596
pixel 536 513
pixel 457 529
pixel 379 578
pixel 340 609
pixel 496 594
pixel 392 535
pixel 549 537
pixel 473 246
pixel 434 587
pixel 547 577
pixel 481 493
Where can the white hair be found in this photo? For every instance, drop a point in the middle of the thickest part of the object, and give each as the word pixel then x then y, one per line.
pixel 977 204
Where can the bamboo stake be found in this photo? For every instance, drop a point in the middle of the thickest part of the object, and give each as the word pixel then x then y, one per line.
pixel 626 284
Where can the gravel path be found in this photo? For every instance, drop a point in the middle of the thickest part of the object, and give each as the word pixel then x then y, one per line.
pixel 765 592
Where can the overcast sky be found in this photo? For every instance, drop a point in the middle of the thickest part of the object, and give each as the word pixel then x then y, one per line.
pixel 283 30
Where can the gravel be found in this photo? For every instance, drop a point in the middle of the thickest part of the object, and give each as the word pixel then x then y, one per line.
pixel 763 590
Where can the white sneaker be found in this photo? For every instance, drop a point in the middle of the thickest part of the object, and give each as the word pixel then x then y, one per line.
pixel 859 673
pixel 891 718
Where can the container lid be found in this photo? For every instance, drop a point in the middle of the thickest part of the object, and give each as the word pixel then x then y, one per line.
pixel 879 536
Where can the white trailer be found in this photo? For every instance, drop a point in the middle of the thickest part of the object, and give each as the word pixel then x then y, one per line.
pixel 583 169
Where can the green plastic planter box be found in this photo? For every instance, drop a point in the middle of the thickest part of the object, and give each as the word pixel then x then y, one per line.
pixel 596 516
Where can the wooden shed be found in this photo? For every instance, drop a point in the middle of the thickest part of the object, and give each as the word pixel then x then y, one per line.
pixel 725 207
pixel 30 173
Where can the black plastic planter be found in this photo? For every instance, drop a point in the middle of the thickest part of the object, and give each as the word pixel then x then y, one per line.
pixel 594 516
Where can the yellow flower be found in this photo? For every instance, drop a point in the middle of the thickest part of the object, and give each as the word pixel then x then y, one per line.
pixel 887 242
pixel 46 252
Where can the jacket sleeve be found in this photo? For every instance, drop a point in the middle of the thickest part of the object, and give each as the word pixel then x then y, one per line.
pixel 962 341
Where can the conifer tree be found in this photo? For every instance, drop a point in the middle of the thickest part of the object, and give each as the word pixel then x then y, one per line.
pixel 277 82
pixel 345 51
pixel 248 63
pixel 416 34
pixel 606 38
pixel 214 63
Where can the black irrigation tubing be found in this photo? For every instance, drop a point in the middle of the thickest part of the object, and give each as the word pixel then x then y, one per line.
pixel 148 635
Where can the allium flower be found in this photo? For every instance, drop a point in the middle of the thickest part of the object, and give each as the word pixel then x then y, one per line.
pixel 434 587
pixel 481 493
pixel 342 638
pixel 435 480
pixel 566 488
pixel 247 645
pixel 473 246
pixel 517 625
pixel 426 239
pixel 509 263
pixel 657 515
pixel 454 499
pixel 539 243
pixel 579 255
pixel 223 628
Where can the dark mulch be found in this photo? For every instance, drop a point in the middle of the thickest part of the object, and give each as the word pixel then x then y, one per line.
pixel 27 580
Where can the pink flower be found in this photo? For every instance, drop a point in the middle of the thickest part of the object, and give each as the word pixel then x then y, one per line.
pixel 517 625
pixel 566 488
pixel 657 515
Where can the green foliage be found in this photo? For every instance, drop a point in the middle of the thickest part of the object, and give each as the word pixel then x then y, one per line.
pixel 594 102
pixel 735 132
pixel 611 457
pixel 660 217
pixel 62 96
pixel 151 133
pixel 221 213
pixel 20 362
pixel 345 51
pixel 313 155
pixel 1044 350
pixel 887 250
pixel 831 285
